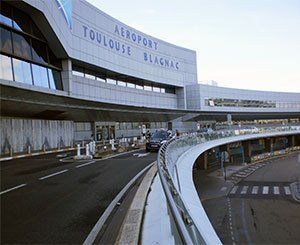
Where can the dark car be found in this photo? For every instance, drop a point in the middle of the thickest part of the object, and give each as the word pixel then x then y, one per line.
pixel 156 140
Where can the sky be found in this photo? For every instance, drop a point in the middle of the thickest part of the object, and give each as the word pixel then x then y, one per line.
pixel 249 44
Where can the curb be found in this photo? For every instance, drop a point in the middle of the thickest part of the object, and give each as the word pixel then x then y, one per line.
pixel 131 227
pixel 98 226
pixel 37 154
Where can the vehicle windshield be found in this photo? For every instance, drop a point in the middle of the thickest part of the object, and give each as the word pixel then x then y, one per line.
pixel 162 135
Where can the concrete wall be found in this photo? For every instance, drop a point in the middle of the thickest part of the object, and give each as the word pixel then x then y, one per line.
pixel 18 134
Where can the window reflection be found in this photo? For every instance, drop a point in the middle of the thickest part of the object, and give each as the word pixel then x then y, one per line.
pixel 21 21
pixel 22 72
pixel 40 77
pixel 6 68
pixel 39 51
pixel 21 46
pixel 6 41
pixel 55 79
pixel 5 16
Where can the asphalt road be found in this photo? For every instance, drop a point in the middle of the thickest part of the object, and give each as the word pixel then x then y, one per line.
pixel 259 209
pixel 56 202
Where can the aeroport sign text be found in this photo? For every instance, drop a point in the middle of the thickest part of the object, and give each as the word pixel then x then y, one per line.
pixel 125 49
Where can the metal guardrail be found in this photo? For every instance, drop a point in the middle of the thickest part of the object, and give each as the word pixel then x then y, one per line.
pixel 186 231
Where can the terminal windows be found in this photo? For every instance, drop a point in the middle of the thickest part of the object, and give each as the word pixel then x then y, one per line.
pixel 130 85
pixel 39 51
pixel 22 72
pixel 6 44
pixel 224 102
pixel 147 88
pixel 6 68
pixel 137 84
pixel 5 15
pixel 25 55
pixel 156 89
pixel 121 83
pixel 40 76
pixel 111 81
pixel 25 72
pixel 89 76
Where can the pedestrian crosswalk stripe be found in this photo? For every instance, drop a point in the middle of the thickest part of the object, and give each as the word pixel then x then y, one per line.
pixel 254 190
pixel 276 190
pixel 234 189
pixel 244 190
pixel 287 190
pixel 265 190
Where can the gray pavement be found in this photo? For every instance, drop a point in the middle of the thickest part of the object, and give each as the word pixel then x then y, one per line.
pixel 257 210
pixel 60 202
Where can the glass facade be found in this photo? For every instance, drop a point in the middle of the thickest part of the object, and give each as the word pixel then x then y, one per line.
pixel 6 68
pixel 22 71
pixel 222 102
pixel 25 55
pixel 81 72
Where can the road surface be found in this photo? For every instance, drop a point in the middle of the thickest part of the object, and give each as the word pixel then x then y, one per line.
pixel 259 209
pixel 47 201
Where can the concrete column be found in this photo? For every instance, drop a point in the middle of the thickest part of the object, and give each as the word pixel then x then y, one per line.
pixel 229 119
pixel 66 75
pixel 247 150
pixel 229 154
pixel 291 141
pixel 269 144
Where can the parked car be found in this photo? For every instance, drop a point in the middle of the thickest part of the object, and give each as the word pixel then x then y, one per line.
pixel 157 139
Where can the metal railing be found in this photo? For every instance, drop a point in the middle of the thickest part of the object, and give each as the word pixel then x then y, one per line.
pixel 186 231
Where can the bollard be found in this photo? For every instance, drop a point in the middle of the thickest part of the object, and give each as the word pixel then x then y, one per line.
pixel 78 150
pixel 29 149
pixel 11 151
pixel 44 147
pixel 113 145
pixel 87 150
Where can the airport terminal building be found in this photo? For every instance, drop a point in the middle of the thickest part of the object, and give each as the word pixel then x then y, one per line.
pixel 69 71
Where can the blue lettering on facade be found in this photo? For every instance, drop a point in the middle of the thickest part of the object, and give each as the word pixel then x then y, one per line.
pixel 106 41
pixel 134 37
pixel 123 48
pixel 162 62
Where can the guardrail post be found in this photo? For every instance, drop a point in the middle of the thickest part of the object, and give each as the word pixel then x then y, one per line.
pixel 78 150
pixel 87 150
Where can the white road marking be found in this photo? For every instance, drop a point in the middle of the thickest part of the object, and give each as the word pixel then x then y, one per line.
pixel 141 154
pixel 254 190
pixel 234 189
pixel 265 190
pixel 276 190
pixel 84 164
pixel 224 188
pixel 244 190
pixel 230 218
pixel 13 188
pixel 287 190
pixel 54 174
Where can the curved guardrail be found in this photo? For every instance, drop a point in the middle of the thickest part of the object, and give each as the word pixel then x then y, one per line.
pixel 186 230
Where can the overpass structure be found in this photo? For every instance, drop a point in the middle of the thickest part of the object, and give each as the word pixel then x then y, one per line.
pixel 184 216
pixel 69 61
